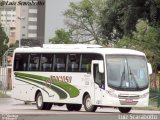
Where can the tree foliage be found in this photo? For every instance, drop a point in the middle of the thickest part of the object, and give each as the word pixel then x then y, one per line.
pixel 3 42
pixel 83 19
pixel 122 16
pixel 61 37
pixel 134 24
pixel 146 39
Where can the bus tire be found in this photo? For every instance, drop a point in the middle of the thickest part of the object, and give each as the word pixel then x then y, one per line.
pixel 39 102
pixel 74 107
pixel 88 104
pixel 48 106
pixel 77 107
pixel 124 109
pixel 42 105
pixel 70 107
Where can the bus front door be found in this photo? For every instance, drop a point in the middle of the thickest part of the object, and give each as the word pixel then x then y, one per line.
pixel 98 84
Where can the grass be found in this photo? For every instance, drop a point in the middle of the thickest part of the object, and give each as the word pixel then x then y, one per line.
pixel 153 105
pixel 2 95
pixel 154 108
pixel 153 101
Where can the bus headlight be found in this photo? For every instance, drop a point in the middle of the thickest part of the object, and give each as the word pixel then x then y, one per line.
pixel 144 95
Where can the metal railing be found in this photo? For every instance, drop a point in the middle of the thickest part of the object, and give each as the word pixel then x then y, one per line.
pixel 3 70
pixel 155 93
pixel 3 78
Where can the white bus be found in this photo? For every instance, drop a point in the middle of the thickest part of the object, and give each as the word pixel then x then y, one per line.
pixel 76 75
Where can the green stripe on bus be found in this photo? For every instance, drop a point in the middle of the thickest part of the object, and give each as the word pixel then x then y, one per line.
pixel 70 89
pixel 34 85
pixel 60 92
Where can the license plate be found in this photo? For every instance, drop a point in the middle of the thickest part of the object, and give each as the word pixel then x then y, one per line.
pixel 128 100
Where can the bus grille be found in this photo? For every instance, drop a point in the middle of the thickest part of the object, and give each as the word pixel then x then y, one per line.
pixel 122 102
pixel 128 96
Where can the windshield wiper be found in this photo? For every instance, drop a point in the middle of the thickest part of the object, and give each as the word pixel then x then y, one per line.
pixel 133 78
pixel 122 77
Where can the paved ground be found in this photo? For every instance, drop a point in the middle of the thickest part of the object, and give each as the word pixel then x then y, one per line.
pixel 9 106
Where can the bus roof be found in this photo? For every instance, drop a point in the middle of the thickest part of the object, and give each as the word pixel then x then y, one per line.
pixel 78 48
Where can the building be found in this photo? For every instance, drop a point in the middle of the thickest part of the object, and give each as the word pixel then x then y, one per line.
pixel 24 23
pixel 30 24
pixel 8 20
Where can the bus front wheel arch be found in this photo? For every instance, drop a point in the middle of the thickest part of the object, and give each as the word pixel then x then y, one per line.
pixel 88 106
pixel 41 105
pixel 38 91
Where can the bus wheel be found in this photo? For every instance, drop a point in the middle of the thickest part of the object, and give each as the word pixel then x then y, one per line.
pixel 42 105
pixel 124 109
pixel 48 106
pixel 39 101
pixel 70 107
pixel 88 104
pixel 74 107
pixel 77 107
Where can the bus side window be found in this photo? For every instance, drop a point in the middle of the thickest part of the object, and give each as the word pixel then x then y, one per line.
pixel 73 62
pixel 98 77
pixel 60 61
pixel 87 60
pixel 21 62
pixel 85 63
pixel 46 62
pixel 34 62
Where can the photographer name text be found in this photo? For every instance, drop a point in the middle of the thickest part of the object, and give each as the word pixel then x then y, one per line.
pixel 138 117
pixel 22 3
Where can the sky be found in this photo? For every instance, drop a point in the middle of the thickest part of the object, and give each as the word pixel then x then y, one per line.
pixel 54 16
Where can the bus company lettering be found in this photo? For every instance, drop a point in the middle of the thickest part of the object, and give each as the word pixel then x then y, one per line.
pixel 53 79
pixel 67 79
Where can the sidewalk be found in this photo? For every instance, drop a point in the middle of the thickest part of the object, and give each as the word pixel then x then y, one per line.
pixel 5 94
pixel 9 92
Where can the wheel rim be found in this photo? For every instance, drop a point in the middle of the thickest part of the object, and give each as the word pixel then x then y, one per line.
pixel 40 101
pixel 88 103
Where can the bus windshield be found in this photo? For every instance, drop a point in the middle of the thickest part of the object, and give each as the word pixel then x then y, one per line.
pixel 127 72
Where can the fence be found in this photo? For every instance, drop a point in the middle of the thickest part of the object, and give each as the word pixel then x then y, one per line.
pixel 155 98
pixel 3 79
pixel 5 71
pixel 155 91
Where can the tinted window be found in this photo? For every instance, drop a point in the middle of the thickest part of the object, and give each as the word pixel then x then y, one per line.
pixel 54 62
pixel 86 61
pixel 21 62
pixel 60 63
pixel 73 62
pixel 34 62
pixel 46 62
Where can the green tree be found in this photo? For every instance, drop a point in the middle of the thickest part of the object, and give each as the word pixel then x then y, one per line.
pixel 3 42
pixel 146 39
pixel 119 23
pixel 13 45
pixel 61 37
pixel 120 16
pixel 83 19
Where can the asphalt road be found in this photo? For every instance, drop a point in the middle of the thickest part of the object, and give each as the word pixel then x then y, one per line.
pixel 17 110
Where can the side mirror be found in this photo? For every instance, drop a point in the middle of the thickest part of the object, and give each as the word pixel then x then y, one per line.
pixel 149 68
pixel 101 66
